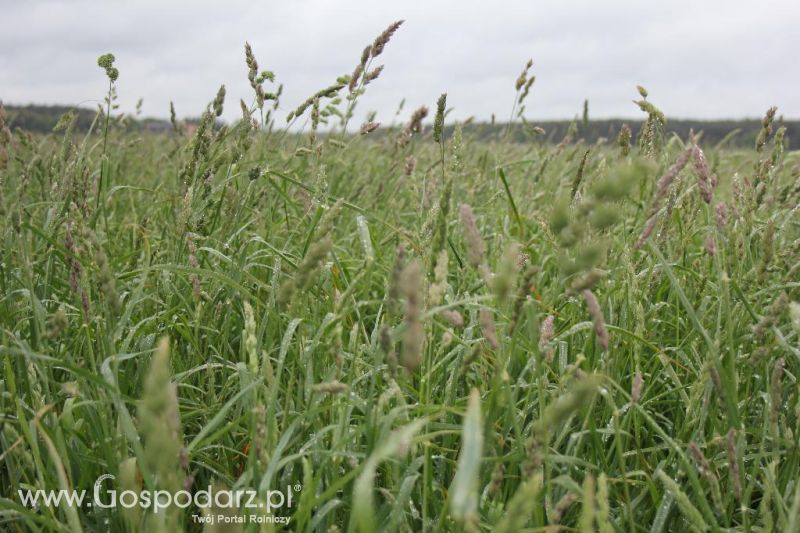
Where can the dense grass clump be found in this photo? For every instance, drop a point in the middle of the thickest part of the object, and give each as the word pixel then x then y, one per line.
pixel 419 331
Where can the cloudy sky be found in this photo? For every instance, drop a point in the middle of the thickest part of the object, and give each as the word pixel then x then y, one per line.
pixel 709 59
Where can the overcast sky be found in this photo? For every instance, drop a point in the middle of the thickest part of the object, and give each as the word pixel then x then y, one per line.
pixel 705 59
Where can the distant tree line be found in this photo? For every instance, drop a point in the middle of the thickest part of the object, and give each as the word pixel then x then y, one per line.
pixel 43 118
pixel 735 133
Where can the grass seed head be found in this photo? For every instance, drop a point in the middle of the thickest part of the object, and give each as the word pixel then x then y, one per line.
pixel 219 101
pixel 488 329
pixel 252 64
pixel 794 313
pixel 383 38
pixel 526 89
pixel 498 475
pixel 733 464
pixel 624 140
pixel 588 504
pixel 587 281
pixel 331 387
pixel 603 517
pixel 690 512
pixel 160 425
pixel 705 180
pixel 250 338
pixel 57 324
pixel 771 317
pixel 373 74
pixel 505 278
pixel 414 335
pixel 369 127
pixel 521 506
pixel 453 317
pixel 523 77
pixel 721 215
pixel 329 219
pixel 562 506
pixel 711 246
pixel 306 270
pixel 662 191
pixel 636 387
pixel 546 334
pixel 579 395
pixel 355 77
pixel 704 467
pixel 597 317
pixel 396 277
pixel 438 123
pixel 475 245
pixel 106 62
pixel 766 128
pixel 415 122
pixel 410 165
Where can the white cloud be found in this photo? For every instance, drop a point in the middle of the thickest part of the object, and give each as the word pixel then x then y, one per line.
pixel 698 59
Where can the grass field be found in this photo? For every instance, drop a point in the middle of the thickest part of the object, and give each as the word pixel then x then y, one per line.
pixel 406 330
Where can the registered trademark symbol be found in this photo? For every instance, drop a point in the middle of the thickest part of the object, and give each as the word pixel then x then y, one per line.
pixel 298 487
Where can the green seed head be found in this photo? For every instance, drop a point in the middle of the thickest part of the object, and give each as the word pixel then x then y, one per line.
pixel 438 124
pixel 105 61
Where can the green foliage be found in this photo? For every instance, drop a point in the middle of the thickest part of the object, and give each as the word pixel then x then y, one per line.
pixel 373 335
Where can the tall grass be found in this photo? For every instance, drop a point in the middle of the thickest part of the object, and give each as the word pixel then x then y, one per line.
pixel 425 332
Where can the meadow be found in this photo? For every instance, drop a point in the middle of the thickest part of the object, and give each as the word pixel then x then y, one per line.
pixel 408 327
